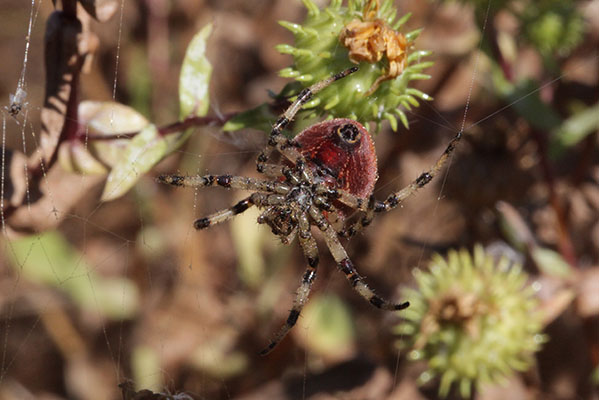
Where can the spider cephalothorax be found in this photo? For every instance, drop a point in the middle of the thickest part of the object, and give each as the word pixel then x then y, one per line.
pixel 327 171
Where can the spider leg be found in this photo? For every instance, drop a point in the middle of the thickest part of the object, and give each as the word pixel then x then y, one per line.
pixel 373 206
pixel 273 170
pixel 256 199
pixel 347 267
pixel 227 181
pixel 368 207
pixel 280 142
pixel 310 250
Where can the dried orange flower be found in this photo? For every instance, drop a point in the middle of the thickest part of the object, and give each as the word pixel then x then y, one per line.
pixel 372 38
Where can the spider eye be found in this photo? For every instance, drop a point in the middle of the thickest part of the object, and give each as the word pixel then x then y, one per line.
pixel 349 133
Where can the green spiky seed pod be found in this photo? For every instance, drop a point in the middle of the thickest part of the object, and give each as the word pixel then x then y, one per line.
pixel 473 320
pixel 553 26
pixel 381 86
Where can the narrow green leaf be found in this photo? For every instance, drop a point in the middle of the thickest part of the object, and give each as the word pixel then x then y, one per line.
pixel 147 148
pixel 403 118
pixel 313 9
pixel 574 129
pixel 248 240
pixel 392 121
pixel 595 376
pixel 142 153
pixel 327 327
pixel 195 76
pixel 550 262
pixel 417 55
pixel 528 104
pixel 413 35
pixel 402 21
pixel 145 365
pixel 294 28
pixel 421 66
pixel 419 94
pixel 418 76
pixel 260 118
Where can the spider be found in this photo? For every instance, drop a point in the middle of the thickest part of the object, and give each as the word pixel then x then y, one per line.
pixel 17 102
pixel 328 171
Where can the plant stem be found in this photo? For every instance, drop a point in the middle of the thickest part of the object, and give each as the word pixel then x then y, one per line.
pixel 188 122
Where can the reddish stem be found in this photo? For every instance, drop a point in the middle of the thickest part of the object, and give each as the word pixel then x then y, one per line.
pixel 565 246
pixel 178 126
pixel 195 121
pixel 506 67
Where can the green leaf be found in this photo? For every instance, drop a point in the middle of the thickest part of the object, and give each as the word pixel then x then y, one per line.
pixel 263 116
pixel 50 260
pixel 248 240
pixel 145 365
pixel 260 118
pixel 75 157
pixel 513 227
pixel 595 376
pixel 224 362
pixel 142 153
pixel 327 327
pixel 550 262
pixel 194 81
pixel 148 147
pixel 109 118
pixel 528 104
pixel 100 118
pixel 574 129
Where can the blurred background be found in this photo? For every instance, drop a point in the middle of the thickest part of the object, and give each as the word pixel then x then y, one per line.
pixel 126 291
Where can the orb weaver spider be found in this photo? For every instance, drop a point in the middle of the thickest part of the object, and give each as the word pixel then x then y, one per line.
pixel 329 170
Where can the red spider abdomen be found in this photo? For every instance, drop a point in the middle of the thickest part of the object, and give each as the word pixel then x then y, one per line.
pixel 341 152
